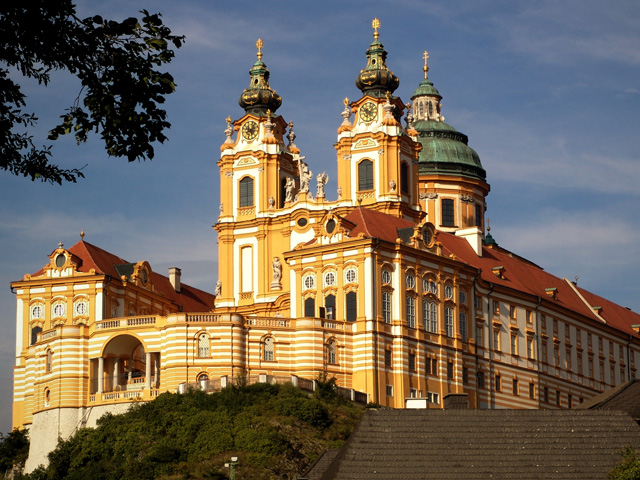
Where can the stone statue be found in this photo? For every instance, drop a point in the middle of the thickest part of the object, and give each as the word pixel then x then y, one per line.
pixel 289 186
pixel 277 270
pixel 218 290
pixel 322 180
pixel 276 284
pixel 305 177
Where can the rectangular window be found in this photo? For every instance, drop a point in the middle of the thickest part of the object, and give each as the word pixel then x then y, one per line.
pixel 448 216
pixel 590 365
pixel 433 397
pixel 434 367
pixel 514 344
pixel 389 390
pixel 448 321
pixel 429 316
pixel 352 306
pixel 496 307
pixel 247 264
pixel 480 379
pixel 309 307
pixel 555 327
pixel 478 303
pixel 479 336
pixel 579 362
pixel 515 387
pixel 365 175
pixel 465 375
pixel 545 358
pixel 478 216
pixel 546 394
pixel 532 390
pixel 386 307
pixel 569 400
pixel 529 316
pixel 387 358
pixel 530 348
pixel 412 362
pixel 498 383
pixel 496 339
pixel 450 370
pixel 578 336
pixel 411 311
pixel 462 328
pixel 558 398
pixel 512 312
pixel 413 393
pixel 427 366
pixel 556 356
pixel 567 358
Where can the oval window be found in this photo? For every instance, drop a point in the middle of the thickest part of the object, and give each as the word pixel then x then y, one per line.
pixel 330 226
pixel 302 222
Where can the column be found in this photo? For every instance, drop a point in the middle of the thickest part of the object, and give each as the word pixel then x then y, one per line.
pixel 116 363
pixel 157 370
pixel 100 374
pixel 147 373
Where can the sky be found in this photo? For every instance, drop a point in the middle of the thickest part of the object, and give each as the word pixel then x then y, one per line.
pixel 548 93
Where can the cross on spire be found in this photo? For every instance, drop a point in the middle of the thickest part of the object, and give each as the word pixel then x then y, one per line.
pixel 375 24
pixel 426 67
pixel 259 45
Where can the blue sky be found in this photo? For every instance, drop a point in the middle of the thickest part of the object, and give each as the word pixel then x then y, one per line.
pixel 548 93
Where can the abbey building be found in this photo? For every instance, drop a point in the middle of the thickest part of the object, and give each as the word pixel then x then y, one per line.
pixel 391 284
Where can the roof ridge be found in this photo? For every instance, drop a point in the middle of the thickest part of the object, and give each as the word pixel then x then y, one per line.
pixel 584 300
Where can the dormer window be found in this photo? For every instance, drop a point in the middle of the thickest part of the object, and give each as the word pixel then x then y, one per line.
pixel 60 260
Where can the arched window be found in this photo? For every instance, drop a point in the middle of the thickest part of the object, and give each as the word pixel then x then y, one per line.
pixel 246 192
pixel 404 178
pixel 331 352
pixel 365 175
pixel 202 377
pixel 352 306
pixel 269 350
pixel 203 345
pixel 430 109
pixel 34 334
pixel 330 307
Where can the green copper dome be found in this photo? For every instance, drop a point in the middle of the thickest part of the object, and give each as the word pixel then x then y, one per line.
pixel 259 97
pixel 445 151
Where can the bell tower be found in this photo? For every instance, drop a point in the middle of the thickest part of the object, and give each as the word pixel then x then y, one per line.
pixel 255 169
pixel 377 157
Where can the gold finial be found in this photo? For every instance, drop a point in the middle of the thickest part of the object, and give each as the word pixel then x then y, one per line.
pixel 291 125
pixel 259 45
pixel 388 94
pixel 346 101
pixel 488 224
pixel 82 234
pixel 426 67
pixel 228 120
pixel 408 106
pixel 269 114
pixel 375 24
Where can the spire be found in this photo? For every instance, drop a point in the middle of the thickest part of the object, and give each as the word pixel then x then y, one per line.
pixel 376 79
pixel 259 97
pixel 426 67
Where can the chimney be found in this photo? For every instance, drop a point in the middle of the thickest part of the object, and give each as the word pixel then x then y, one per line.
pixel 174 278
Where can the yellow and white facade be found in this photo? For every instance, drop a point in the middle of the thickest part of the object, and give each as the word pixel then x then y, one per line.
pixel 393 287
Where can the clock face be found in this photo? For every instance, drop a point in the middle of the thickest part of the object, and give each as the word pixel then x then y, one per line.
pixel 250 130
pixel 368 112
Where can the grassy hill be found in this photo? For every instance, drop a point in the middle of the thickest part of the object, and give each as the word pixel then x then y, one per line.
pixel 277 431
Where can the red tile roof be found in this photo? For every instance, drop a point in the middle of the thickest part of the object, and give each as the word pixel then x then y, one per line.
pixel 517 273
pixel 376 224
pixel 191 299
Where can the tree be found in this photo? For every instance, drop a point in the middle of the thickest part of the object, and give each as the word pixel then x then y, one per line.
pixel 14 449
pixel 628 468
pixel 117 64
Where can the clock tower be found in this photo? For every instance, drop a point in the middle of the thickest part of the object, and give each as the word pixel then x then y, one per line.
pixel 377 157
